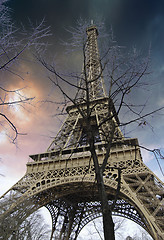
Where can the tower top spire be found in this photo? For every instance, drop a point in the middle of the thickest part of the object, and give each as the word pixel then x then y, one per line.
pixel 91 29
pixel 92 70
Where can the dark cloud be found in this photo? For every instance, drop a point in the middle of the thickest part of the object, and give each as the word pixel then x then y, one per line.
pixel 134 21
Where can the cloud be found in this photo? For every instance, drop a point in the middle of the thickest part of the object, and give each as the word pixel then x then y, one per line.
pixel 147 156
pixel 33 119
pixel 3 137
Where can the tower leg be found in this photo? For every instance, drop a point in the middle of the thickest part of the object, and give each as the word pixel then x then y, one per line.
pixel 79 223
pixel 71 220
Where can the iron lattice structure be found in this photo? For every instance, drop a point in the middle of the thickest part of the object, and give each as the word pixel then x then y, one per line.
pixel 63 177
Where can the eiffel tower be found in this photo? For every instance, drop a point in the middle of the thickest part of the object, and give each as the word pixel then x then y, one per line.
pixel 63 178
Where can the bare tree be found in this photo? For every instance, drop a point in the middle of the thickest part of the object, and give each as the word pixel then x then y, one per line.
pixel 32 228
pixel 14 44
pixel 95 229
pixel 124 73
pixel 143 236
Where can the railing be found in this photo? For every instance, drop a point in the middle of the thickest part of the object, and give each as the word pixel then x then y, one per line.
pixel 117 146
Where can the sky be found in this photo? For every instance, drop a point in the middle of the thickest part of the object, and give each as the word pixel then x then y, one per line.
pixel 135 23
